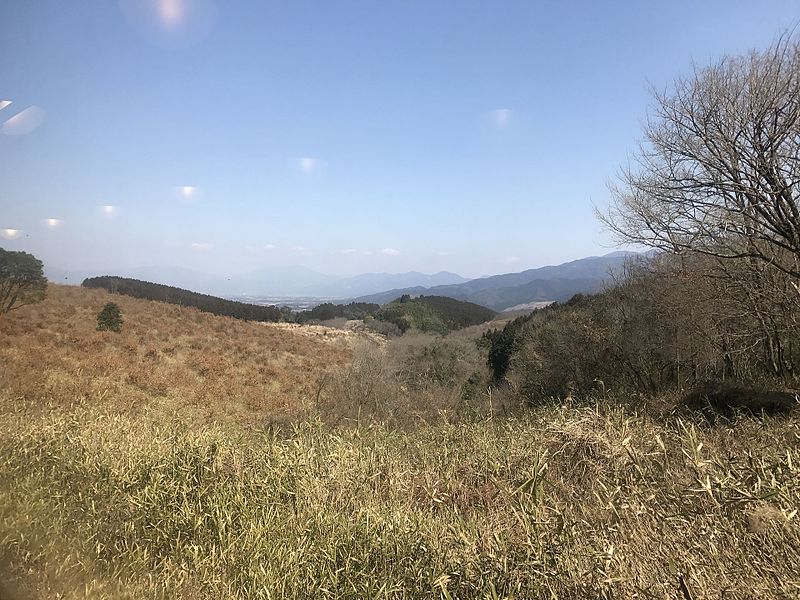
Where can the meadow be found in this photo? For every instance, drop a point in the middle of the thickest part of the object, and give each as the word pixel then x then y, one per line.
pixel 194 456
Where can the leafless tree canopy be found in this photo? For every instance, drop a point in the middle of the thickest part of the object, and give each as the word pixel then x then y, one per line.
pixel 719 169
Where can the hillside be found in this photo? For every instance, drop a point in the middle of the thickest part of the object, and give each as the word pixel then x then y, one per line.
pixel 327 311
pixel 152 463
pixel 174 295
pixel 175 361
pixel 551 283
pixel 370 283
pixel 433 313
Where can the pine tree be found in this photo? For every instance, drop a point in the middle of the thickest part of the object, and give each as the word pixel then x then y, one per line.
pixel 110 318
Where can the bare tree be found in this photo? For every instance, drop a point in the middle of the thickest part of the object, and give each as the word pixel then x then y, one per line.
pixel 719 170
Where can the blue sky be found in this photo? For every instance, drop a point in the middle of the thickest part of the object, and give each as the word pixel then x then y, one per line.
pixel 343 136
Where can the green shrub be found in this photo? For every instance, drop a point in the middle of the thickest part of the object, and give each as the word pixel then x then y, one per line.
pixel 110 318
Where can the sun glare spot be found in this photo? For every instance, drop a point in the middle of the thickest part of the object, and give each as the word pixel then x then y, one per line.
pixel 171 23
pixel 52 223
pixel 109 209
pixel 171 12
pixel 10 234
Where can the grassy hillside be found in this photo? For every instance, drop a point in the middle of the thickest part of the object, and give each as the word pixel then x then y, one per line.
pixel 148 464
pixel 565 503
pixel 177 361
pixel 434 313
pixel 173 295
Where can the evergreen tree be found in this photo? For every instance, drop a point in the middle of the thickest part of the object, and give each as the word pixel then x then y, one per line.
pixel 110 318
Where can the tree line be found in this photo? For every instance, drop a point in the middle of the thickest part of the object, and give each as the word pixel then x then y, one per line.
pixel 173 295
pixel 714 189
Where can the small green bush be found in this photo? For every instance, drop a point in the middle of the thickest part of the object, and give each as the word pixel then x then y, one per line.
pixel 110 318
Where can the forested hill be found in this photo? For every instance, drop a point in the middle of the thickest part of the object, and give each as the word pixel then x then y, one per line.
pixel 174 295
pixel 434 313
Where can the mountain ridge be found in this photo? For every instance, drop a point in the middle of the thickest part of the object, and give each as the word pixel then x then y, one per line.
pixel 548 283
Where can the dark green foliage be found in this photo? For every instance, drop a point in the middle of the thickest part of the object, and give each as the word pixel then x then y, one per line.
pixel 173 295
pixel 327 311
pixel 109 318
pixel 22 281
pixel 502 344
pixel 434 313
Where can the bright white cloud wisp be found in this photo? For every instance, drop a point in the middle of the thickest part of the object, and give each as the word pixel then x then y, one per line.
pixel 390 252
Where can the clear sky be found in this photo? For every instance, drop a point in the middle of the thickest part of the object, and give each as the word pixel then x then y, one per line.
pixel 345 136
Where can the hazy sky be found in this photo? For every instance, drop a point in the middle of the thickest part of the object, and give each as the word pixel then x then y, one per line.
pixel 344 136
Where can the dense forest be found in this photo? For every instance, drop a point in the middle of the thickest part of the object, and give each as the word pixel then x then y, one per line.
pixel 433 313
pixel 174 295
pixel 328 311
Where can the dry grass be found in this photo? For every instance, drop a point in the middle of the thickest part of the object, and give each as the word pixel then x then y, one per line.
pixel 101 496
pixel 566 503
pixel 169 360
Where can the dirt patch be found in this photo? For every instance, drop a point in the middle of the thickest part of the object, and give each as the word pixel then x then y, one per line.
pixel 351 332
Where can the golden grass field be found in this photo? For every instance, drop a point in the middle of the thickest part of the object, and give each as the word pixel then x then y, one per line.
pixel 146 465
pixel 178 362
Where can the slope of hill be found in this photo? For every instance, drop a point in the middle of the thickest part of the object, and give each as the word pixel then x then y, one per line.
pixel 173 295
pixel 328 310
pixel 371 283
pixel 434 313
pixel 498 292
pixel 173 360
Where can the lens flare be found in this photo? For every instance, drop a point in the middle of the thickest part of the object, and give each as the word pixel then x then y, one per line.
pixel 24 122
pixel 307 164
pixel 4 103
pixel 171 12
pixel 109 209
pixel 171 23
pixel 10 234
pixel 501 117
pixel 187 193
pixel 52 223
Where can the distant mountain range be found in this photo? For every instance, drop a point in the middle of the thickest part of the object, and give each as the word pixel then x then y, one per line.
pixel 271 281
pixel 499 292
pixel 371 283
